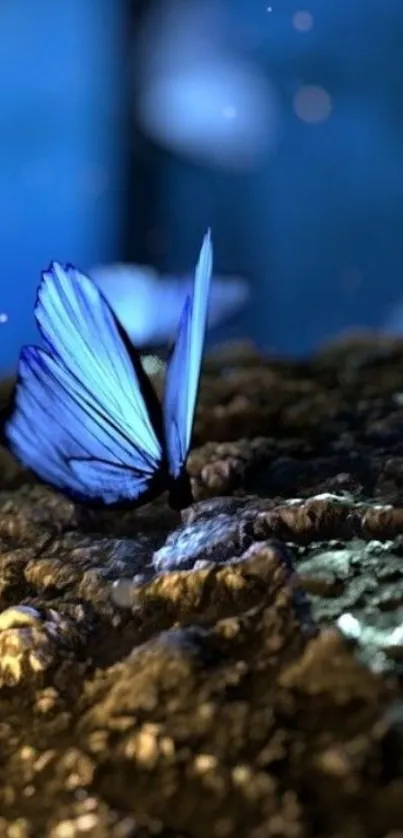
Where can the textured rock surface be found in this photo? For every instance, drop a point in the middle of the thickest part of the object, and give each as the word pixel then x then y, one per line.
pixel 235 672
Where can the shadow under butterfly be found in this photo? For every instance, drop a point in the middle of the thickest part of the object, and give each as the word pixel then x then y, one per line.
pixel 85 417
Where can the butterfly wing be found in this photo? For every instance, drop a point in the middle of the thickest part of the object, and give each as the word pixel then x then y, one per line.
pixel 183 371
pixel 86 418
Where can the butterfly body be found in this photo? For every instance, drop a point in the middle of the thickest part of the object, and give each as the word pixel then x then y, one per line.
pixel 180 491
pixel 85 417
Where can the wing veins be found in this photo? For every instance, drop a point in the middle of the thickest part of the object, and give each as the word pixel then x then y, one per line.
pixel 100 418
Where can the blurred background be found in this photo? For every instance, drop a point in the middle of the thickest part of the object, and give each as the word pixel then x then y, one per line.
pixel 127 128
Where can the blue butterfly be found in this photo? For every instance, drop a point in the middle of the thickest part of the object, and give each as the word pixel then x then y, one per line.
pixel 85 417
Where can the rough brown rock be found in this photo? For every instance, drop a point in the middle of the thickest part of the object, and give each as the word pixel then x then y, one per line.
pixel 234 672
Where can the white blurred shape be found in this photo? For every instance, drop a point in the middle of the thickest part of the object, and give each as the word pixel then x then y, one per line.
pixel 196 96
pixel 312 104
pixel 349 626
pixel 152 364
pixel 149 307
pixel 3 317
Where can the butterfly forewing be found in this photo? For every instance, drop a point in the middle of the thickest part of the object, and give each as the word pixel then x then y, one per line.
pixel 79 326
pixel 183 371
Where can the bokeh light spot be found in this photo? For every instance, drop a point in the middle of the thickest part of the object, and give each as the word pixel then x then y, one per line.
pixel 302 20
pixel 3 317
pixel 312 104
pixel 229 112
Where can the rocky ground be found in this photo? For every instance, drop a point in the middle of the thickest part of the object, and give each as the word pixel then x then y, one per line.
pixel 235 672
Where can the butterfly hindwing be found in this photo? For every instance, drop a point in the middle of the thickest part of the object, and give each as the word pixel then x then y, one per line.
pixel 183 371
pixel 81 421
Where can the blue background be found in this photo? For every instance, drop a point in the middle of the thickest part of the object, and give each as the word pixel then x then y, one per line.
pixel 317 227
pixel 60 149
